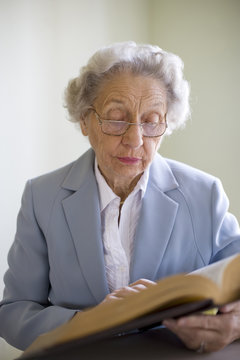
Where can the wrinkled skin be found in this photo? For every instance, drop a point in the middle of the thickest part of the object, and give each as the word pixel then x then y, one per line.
pixel 215 332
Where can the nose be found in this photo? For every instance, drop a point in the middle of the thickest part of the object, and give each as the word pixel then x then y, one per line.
pixel 133 136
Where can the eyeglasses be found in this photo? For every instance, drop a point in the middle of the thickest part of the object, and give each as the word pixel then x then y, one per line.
pixel 149 128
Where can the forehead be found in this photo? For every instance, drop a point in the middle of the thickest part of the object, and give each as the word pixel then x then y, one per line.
pixel 126 89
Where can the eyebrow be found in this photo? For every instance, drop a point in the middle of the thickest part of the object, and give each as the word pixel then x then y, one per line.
pixel 160 103
pixel 117 101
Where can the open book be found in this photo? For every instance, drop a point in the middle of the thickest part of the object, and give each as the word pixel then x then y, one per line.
pixel 174 296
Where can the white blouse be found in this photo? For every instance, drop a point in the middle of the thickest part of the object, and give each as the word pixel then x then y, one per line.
pixel 118 235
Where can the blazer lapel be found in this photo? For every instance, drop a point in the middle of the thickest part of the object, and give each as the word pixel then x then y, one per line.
pixel 156 222
pixel 83 217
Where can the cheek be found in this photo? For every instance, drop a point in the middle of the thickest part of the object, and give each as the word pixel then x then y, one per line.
pixel 109 148
pixel 104 146
pixel 151 147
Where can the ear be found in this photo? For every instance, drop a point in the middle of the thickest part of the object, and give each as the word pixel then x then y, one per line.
pixel 84 126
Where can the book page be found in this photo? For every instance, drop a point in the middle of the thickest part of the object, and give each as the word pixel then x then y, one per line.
pixel 215 271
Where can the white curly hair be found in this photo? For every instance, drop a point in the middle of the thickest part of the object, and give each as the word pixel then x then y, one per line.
pixel 145 60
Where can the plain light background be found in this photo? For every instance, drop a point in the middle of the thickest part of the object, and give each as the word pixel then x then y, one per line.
pixel 43 43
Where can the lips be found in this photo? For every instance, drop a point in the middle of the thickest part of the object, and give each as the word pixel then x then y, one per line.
pixel 129 160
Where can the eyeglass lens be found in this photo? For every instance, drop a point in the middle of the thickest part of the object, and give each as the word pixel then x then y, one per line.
pixel 120 127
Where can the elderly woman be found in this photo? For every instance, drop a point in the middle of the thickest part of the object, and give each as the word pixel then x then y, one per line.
pixel 121 216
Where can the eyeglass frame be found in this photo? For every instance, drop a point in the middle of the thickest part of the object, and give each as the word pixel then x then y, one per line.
pixel 100 122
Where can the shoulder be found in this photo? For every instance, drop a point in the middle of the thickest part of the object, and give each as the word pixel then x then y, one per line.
pixel 197 186
pixel 45 192
pixel 170 174
pixel 187 174
pixel 48 185
pixel 193 184
pixel 57 179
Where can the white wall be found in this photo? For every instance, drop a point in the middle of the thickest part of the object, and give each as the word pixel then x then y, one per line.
pixel 206 35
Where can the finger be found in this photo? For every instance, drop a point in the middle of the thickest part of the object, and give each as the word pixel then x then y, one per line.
pixel 232 307
pixel 190 338
pixel 111 297
pixel 145 282
pixel 207 322
pixel 120 293
pixel 224 328
pixel 125 291
pixel 206 339
pixel 193 338
pixel 188 325
pixel 139 287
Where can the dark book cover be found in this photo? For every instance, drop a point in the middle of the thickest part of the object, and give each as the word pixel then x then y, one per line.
pixel 140 324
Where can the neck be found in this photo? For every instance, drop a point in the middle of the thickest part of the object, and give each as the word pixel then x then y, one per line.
pixel 122 188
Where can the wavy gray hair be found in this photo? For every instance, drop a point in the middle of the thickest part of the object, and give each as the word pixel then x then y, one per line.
pixel 146 60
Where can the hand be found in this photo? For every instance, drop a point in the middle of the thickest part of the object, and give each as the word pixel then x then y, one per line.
pixel 133 288
pixel 207 333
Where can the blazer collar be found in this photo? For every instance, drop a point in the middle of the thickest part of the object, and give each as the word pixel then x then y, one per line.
pixel 161 175
pixel 80 171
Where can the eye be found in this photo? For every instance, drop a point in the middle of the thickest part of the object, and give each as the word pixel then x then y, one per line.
pixel 116 115
pixel 152 118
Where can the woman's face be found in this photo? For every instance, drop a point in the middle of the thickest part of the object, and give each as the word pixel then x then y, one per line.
pixel 122 159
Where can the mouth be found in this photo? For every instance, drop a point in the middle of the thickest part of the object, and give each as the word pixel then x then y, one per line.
pixel 129 160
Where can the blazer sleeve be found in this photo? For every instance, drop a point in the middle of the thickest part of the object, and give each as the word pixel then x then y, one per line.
pixel 225 227
pixel 25 311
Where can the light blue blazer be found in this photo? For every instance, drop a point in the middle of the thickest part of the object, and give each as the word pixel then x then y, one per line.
pixel 56 263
